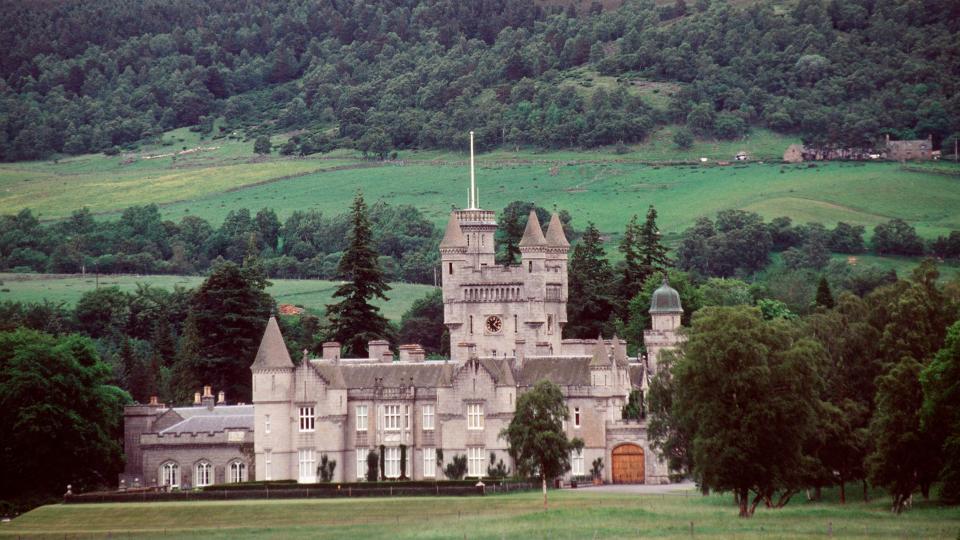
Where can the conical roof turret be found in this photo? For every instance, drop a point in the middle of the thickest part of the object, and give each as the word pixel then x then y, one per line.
pixel 601 358
pixel 272 353
pixel 533 234
pixel 453 236
pixel 555 236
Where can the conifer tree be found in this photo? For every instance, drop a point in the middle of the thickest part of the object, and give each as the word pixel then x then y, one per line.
pixel 354 320
pixel 632 279
pixel 591 304
pixel 653 255
pixel 187 362
pixel 824 296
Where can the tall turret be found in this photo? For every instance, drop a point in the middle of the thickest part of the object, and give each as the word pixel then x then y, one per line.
pixel 665 315
pixel 272 391
pixel 533 245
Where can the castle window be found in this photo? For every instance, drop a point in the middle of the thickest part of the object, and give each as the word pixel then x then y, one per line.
pixel 308 469
pixel 471 324
pixel 450 268
pixel 362 421
pixel 406 417
pixel 238 472
pixel 576 417
pixel 307 419
pixel 268 465
pixel 266 424
pixel 170 474
pixel 428 417
pixel 529 266
pixel 549 324
pixel 362 463
pixel 475 462
pixel 391 417
pixel 202 476
pixel 576 463
pixel 429 462
pixel 475 416
pixel 516 327
pixel 391 462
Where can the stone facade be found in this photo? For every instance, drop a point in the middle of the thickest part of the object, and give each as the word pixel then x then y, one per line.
pixel 505 325
pixel 185 447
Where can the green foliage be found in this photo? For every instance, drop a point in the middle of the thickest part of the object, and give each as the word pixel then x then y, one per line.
pixel 497 469
pixel 354 321
pixel 824 296
pixel 940 415
pixel 744 390
pixel 325 468
pixel 683 138
pixel 423 324
pixel 457 468
pixel 596 468
pixel 739 241
pixel 634 410
pixel 230 308
pixel 60 416
pixel 262 145
pixel 373 466
pixel 897 237
pixel 591 301
pixel 535 436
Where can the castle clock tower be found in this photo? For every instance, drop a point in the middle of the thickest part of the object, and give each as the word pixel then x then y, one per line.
pixel 502 311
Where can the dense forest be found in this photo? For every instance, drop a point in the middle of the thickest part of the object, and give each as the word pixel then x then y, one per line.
pixel 81 77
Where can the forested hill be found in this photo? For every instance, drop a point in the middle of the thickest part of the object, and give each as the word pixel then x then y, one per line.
pixel 80 77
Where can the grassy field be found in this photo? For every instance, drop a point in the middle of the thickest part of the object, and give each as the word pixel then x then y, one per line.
pixel 599 185
pixel 573 514
pixel 309 293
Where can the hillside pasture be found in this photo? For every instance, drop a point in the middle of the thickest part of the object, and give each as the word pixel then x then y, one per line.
pixel 608 193
pixel 312 294
pixel 573 514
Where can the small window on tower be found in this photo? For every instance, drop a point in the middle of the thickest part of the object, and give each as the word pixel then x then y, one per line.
pixel 471 324
pixel 515 327
pixel 450 268
pixel 530 267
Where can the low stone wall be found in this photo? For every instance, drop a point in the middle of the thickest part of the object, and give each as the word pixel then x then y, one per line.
pixel 326 492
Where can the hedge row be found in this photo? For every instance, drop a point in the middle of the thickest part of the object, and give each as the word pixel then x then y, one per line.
pixel 370 490
pixel 279 484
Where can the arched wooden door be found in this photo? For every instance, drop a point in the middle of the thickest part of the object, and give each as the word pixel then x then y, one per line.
pixel 628 466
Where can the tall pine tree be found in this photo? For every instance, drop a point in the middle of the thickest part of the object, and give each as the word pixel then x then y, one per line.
pixel 633 275
pixel 590 304
pixel 653 255
pixel 354 321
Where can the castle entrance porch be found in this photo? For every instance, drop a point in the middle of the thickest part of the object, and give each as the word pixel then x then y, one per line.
pixel 628 464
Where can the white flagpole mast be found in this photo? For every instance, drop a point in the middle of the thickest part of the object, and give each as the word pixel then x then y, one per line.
pixel 473 181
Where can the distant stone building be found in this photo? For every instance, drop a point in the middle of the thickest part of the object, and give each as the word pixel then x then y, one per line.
pixel 915 150
pixel 185 447
pixel 793 154
pixel 505 325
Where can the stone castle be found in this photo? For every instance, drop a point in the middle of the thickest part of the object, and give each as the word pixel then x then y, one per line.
pixel 505 324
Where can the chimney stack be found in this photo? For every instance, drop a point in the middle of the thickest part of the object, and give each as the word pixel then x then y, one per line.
pixel 207 399
pixel 221 398
pixel 378 348
pixel 412 353
pixel 331 350
pixel 196 398
pixel 153 401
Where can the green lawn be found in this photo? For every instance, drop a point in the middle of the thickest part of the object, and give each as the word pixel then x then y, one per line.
pixel 312 294
pixel 608 193
pixel 598 185
pixel 573 514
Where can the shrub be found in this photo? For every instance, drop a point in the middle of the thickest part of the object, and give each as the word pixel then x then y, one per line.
pixel 457 468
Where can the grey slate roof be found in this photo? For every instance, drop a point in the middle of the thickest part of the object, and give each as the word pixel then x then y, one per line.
pixel 561 370
pixel 533 234
pixel 425 374
pixel 555 236
pixel 453 236
pixel 272 353
pixel 218 419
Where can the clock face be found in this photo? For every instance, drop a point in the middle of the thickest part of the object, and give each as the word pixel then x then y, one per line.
pixel 494 324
